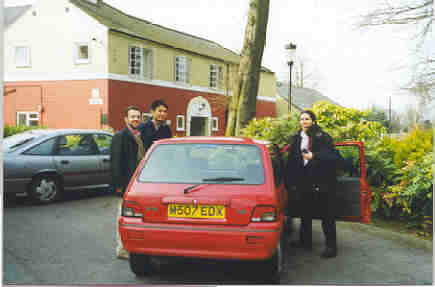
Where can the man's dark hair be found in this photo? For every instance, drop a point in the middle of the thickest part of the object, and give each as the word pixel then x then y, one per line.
pixel 158 103
pixel 131 108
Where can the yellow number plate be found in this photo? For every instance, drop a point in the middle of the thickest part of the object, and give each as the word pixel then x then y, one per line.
pixel 196 211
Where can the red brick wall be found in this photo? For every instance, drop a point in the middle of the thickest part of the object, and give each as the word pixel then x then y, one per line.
pixel 65 103
pixel 265 109
pixel 123 94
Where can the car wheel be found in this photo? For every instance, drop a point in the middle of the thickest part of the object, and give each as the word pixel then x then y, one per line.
pixel 140 264
pixel 275 265
pixel 45 189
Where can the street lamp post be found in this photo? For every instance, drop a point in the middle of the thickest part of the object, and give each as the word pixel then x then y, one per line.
pixel 291 49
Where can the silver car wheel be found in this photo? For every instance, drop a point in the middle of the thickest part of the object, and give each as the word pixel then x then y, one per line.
pixel 45 189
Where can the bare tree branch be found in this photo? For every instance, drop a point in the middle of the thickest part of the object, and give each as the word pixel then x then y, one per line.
pixel 420 15
pixel 406 14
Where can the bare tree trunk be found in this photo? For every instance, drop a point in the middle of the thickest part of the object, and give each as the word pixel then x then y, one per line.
pixel 244 99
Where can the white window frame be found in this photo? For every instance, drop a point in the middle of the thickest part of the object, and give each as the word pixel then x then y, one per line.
pixel 78 60
pixel 26 62
pixel 215 77
pixel 183 121
pixel 214 124
pixel 182 69
pixel 134 70
pixel 145 58
pixel 28 118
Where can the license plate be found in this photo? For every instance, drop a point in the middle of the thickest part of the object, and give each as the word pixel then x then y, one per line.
pixel 196 211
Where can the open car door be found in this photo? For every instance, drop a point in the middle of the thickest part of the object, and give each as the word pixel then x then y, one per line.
pixel 353 192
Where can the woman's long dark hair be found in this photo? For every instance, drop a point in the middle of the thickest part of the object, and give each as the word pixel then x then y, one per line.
pixel 315 128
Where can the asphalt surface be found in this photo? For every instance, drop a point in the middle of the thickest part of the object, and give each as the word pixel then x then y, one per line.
pixel 73 242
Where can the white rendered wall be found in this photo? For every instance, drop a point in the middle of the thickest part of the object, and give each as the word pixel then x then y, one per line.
pixel 51 36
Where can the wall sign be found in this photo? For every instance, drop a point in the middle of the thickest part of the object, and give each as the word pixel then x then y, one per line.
pixel 95 98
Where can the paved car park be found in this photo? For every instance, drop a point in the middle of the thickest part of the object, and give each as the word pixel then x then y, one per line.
pixel 73 242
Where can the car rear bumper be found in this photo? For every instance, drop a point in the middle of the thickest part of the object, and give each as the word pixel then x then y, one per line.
pixel 256 241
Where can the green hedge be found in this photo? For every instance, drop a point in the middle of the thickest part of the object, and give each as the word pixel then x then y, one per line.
pixel 11 130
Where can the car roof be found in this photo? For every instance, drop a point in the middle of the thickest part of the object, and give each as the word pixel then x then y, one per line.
pixel 65 131
pixel 212 139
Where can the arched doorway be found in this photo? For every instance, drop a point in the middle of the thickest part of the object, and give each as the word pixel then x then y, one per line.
pixel 198 117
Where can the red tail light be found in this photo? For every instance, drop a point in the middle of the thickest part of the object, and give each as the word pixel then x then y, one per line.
pixel 264 214
pixel 131 209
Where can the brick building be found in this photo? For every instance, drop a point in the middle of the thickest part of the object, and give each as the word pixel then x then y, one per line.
pixel 96 60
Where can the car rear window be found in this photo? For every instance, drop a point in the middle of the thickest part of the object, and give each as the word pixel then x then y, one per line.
pixel 18 140
pixel 204 163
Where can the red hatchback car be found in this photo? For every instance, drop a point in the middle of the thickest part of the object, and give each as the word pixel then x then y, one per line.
pixel 209 197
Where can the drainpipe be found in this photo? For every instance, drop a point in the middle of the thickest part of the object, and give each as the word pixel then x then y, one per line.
pixel 227 79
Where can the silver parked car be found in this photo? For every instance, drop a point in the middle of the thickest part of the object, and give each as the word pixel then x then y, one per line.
pixel 43 163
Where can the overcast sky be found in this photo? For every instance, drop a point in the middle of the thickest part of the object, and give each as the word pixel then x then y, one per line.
pixel 356 68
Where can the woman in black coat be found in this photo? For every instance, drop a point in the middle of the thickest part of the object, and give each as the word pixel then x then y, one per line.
pixel 311 171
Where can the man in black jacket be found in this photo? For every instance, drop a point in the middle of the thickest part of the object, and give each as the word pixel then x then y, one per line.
pixel 156 128
pixel 127 150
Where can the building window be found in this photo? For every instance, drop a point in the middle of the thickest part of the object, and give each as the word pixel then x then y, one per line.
pixel 22 56
pixel 214 123
pixel 216 76
pixel 82 53
pixel 182 69
pixel 180 122
pixel 135 61
pixel 30 119
pixel 140 62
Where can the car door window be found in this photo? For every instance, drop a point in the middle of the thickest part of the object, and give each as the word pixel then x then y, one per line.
pixel 77 145
pixel 44 148
pixel 351 164
pixel 348 195
pixel 103 143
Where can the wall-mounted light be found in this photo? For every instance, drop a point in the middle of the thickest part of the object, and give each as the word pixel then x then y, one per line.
pixel 95 40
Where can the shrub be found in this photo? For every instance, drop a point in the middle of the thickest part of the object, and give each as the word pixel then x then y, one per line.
pixel 413 194
pixel 347 123
pixel 11 130
pixel 341 123
pixel 275 130
pixel 413 147
pixel 398 169
pixel 400 174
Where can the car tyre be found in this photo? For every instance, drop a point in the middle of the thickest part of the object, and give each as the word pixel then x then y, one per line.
pixel 45 189
pixel 275 265
pixel 140 264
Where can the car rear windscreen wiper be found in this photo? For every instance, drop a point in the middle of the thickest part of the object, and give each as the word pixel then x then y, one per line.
pixel 187 189
pixel 224 179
